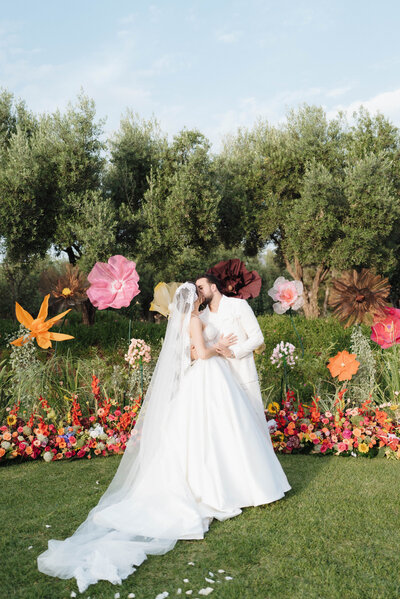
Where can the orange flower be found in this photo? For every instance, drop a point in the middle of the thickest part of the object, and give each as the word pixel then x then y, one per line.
pixel 7 436
pixel 28 450
pixel 343 365
pixel 357 432
pixel 2 452
pixel 39 327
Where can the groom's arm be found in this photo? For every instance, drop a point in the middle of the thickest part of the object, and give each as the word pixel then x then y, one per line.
pixel 250 324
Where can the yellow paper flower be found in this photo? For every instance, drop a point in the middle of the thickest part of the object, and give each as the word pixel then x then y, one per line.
pixel 163 296
pixel 273 407
pixel 11 420
pixel 39 327
pixel 363 448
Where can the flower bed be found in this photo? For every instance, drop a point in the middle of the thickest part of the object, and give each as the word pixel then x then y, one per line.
pixel 104 432
pixel 365 431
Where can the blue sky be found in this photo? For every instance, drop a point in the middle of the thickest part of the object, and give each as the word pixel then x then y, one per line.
pixel 214 65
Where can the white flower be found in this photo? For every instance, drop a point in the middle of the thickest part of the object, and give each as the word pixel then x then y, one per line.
pixel 96 432
pixel 6 445
pixel 47 456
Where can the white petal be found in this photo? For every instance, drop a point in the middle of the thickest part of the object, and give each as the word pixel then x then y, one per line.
pixel 211 574
pixel 30 547
pixel 221 571
pixel 206 591
pixel 228 578
pixel 117 596
pixel 190 563
pixel 73 594
pixel 189 592
pixel 131 596
pixel 186 580
pixel 280 308
pixel 48 525
pixel 210 580
pixel 179 591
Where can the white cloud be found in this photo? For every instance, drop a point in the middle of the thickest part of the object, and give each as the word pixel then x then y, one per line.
pixel 388 103
pixel 228 37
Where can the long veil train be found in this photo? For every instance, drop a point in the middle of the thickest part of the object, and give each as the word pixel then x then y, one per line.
pixel 97 552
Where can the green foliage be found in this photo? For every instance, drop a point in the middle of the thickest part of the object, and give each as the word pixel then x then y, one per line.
pixel 322 338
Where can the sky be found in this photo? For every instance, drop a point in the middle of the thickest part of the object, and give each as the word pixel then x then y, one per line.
pixel 213 65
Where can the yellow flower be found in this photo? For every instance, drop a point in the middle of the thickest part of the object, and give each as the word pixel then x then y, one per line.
pixel 66 291
pixel 11 420
pixel 39 327
pixel 163 296
pixel 273 407
pixel 363 448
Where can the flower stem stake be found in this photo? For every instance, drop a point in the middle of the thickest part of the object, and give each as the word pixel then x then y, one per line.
pixel 296 331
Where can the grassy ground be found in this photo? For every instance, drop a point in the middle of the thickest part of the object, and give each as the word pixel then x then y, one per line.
pixel 335 535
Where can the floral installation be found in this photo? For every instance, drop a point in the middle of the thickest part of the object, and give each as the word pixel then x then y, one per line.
pixel 113 284
pixel 385 331
pixel 344 365
pixel 163 296
pixel 103 432
pixel 39 327
pixel 236 280
pixel 288 295
pixel 365 431
pixel 359 297
pixel 284 353
pixel 138 352
pixel 67 287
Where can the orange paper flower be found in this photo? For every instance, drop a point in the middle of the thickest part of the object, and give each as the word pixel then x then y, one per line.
pixel 343 365
pixel 39 327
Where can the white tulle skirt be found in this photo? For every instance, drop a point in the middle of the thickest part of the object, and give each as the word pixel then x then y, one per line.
pixel 214 457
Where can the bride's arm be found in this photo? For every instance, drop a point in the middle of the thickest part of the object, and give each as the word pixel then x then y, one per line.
pixel 196 333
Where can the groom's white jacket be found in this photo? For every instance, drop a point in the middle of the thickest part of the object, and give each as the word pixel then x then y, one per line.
pixel 235 316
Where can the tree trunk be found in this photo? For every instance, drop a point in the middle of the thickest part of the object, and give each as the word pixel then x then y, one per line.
pixel 310 291
pixel 88 312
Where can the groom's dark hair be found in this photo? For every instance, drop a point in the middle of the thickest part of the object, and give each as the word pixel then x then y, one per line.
pixel 212 279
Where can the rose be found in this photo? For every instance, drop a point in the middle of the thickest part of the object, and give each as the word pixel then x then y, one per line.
pixel 47 456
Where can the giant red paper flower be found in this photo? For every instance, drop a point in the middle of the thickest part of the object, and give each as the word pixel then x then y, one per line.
pixel 386 331
pixel 113 285
pixel 236 280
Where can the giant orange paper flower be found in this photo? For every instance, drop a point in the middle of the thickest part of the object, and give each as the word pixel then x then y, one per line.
pixel 39 327
pixel 343 365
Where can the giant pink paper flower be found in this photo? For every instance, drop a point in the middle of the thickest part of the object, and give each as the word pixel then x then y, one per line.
pixel 386 331
pixel 113 285
pixel 286 294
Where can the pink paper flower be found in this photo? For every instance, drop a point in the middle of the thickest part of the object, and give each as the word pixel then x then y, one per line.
pixel 286 294
pixel 386 332
pixel 113 285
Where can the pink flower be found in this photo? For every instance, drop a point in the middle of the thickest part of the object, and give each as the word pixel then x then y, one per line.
pixel 113 285
pixel 342 446
pixel 287 294
pixel 386 332
pixel 346 434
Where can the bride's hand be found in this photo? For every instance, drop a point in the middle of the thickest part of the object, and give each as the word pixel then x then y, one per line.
pixel 225 341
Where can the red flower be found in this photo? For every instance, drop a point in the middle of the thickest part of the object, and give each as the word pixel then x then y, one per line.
pixel 236 280
pixel 386 331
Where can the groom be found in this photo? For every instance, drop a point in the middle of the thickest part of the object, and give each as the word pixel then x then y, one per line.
pixel 234 315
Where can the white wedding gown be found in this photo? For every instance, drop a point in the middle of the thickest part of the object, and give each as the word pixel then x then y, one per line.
pixel 214 457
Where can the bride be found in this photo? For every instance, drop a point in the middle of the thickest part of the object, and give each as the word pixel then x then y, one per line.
pixel 198 451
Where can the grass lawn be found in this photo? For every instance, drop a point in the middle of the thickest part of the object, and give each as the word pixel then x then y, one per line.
pixel 335 535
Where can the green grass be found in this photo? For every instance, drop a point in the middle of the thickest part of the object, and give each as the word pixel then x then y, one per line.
pixel 335 535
